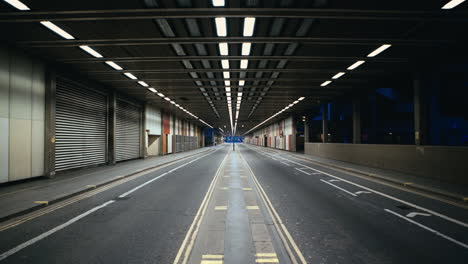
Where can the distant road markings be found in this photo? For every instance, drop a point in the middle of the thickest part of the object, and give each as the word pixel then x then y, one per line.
pixel 91 186
pixel 252 207
pixel 220 207
pixel 42 202
pixel 212 259
pixel 329 183
pixel 333 180
pixel 303 171
pixel 428 229
pixel 224 188
pixel 266 258
pixel 316 173
pixel 361 192
pixel 448 218
pixel 413 214
pixel 286 163
pixel 246 189
pixel 52 231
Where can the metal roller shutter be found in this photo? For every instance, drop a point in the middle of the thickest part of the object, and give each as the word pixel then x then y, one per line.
pixel 127 131
pixel 80 126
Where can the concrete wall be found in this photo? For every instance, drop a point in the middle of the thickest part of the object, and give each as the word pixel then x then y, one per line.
pixel 448 164
pixel 22 113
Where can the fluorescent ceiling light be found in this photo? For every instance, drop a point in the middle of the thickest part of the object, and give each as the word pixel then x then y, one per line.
pixel 142 83
pixel 167 98
pixel 325 83
pixel 239 94
pixel 300 99
pixel 221 29
pixel 152 90
pixel 91 51
pixel 18 5
pixel 246 48
pixel 131 76
pixel 161 95
pixel 226 75
pixel 249 25
pixel 228 89
pixel 356 64
pixel 228 94
pixel 227 83
pixel 223 49
pixel 452 4
pixel 338 75
pixel 57 30
pixel 114 65
pixel 379 50
pixel 244 64
pixel 172 102
pixel 241 83
pixel 218 3
pixel 225 64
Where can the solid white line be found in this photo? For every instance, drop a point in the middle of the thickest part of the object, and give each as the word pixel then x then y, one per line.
pixel 303 171
pixel 338 187
pixel 286 163
pixel 428 229
pixel 53 230
pixel 162 175
pixel 448 218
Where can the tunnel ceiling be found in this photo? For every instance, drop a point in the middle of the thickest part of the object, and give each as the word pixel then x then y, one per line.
pixel 296 46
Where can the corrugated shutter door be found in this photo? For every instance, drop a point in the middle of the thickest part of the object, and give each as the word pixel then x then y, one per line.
pixel 127 131
pixel 80 126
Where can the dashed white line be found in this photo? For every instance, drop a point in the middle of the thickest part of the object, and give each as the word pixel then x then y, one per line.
pixel 302 171
pixel 338 187
pixel 428 229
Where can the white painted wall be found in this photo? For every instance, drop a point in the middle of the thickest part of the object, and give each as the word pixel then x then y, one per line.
pixel 22 115
pixel 153 120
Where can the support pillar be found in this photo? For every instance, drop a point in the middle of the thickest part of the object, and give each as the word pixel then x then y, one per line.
pixel 111 128
pixel 420 114
pixel 306 130
pixel 357 121
pixel 50 110
pixel 325 123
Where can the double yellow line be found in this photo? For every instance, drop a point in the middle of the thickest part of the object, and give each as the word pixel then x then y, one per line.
pixel 187 245
pixel 290 245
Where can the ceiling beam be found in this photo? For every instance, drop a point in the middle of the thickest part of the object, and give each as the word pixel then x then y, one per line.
pixel 110 72
pixel 171 13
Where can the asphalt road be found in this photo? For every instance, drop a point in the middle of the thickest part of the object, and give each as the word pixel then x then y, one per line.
pixel 333 217
pixel 336 221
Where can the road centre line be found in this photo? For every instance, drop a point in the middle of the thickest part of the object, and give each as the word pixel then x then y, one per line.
pixel 348 192
pixel 428 229
pixel 52 231
pixel 448 218
pixel 302 171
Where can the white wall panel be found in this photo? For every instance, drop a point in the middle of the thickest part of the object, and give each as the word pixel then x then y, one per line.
pixel 20 149
pixel 37 148
pixel 20 88
pixel 4 137
pixel 4 84
pixel 153 120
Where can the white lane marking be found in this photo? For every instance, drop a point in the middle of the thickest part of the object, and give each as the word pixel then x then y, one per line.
pixel 286 163
pixel 53 230
pixel 413 214
pixel 162 175
pixel 333 180
pixel 274 158
pixel 361 192
pixel 348 192
pixel 428 229
pixel 302 171
pixel 448 218
pixel 316 173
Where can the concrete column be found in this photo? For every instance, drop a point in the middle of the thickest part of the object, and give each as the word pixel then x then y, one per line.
pixel 420 113
pixel 373 118
pixel 111 128
pixel 325 123
pixel 357 121
pixel 50 109
pixel 306 130
pixel 143 137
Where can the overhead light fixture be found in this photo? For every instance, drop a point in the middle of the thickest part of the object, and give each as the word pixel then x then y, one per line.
pixel 161 95
pixel 142 83
pixel 221 28
pixel 172 102
pixel 300 99
pixel 218 3
pixel 452 4
pixel 244 64
pixel 225 64
pixel 379 50
pixel 57 30
pixel 325 83
pixel 249 25
pixel 356 64
pixel 167 98
pixel 18 5
pixel 91 51
pixel 131 76
pixel 246 48
pixel 223 49
pixel 114 65
pixel 227 83
pixel 338 75
pixel 152 90
pixel 226 75
pixel 241 83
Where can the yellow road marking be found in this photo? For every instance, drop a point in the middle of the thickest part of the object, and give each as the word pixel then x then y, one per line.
pixel 247 189
pixel 91 186
pixel 212 256
pixel 42 202
pixel 224 188
pixel 265 255
pixel 252 207
pixel 211 262
pixel 220 207
pixel 407 183
pixel 267 260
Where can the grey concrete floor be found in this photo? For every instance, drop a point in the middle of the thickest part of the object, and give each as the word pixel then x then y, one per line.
pixel 333 217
